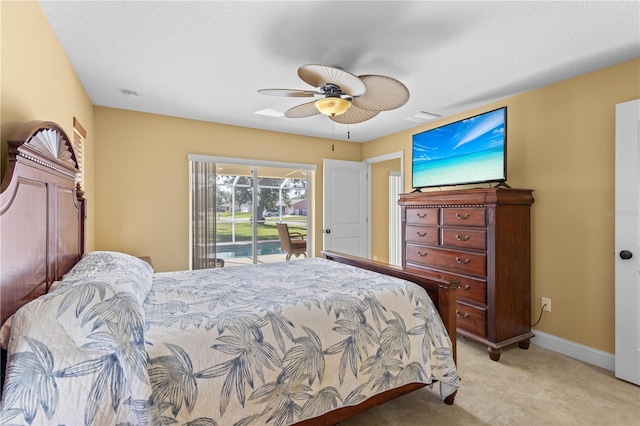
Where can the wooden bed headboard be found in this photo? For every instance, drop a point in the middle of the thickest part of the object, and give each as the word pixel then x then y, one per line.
pixel 42 214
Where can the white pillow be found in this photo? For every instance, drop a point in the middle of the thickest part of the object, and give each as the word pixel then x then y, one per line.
pixel 119 268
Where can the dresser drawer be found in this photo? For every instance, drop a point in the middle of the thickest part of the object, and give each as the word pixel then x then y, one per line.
pixel 469 288
pixel 463 216
pixel 422 234
pixel 464 238
pixel 423 216
pixel 471 318
pixel 466 263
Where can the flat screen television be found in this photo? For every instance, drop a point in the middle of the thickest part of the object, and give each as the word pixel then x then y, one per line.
pixel 469 151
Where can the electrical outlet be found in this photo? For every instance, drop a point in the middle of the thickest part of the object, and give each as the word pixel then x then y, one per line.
pixel 546 303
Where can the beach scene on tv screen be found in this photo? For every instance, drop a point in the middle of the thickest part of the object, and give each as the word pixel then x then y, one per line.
pixel 467 151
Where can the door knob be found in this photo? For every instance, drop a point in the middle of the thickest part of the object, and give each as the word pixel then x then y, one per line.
pixel 327 231
pixel 626 254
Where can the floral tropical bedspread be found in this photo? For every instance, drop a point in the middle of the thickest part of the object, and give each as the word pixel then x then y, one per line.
pixel 265 344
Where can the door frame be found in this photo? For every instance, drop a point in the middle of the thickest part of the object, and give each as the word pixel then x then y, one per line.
pixel 369 162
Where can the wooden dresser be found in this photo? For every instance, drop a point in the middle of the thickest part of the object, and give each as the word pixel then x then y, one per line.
pixel 480 237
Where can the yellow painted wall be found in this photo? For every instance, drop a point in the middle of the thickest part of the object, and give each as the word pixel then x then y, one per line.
pixel 142 176
pixel 561 141
pixel 380 207
pixel 38 83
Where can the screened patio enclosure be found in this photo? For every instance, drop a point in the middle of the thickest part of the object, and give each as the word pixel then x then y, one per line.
pixel 235 205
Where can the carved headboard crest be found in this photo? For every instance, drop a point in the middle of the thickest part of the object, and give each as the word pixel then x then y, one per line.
pixel 36 139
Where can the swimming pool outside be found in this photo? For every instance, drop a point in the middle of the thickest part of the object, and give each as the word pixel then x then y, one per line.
pixel 240 250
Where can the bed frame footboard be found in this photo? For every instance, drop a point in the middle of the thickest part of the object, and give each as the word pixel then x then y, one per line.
pixel 442 292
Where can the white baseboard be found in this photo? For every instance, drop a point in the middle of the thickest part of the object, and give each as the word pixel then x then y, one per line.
pixel 574 350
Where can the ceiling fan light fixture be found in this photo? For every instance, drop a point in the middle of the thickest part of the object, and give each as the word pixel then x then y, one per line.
pixel 332 106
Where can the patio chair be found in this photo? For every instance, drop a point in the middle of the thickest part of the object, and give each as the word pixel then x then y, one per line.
pixel 291 242
pixel 214 262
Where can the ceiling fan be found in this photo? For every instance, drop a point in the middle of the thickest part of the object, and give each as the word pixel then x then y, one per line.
pixel 345 98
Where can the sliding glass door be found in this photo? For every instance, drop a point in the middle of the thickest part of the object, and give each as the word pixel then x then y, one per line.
pixel 235 205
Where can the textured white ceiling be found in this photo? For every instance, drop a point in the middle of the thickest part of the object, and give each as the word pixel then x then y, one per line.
pixel 206 60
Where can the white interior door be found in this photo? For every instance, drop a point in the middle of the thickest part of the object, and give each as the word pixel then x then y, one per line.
pixel 627 242
pixel 345 207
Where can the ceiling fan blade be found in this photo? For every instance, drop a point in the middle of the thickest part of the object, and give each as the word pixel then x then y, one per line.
pixel 319 75
pixel 383 93
pixel 354 115
pixel 291 93
pixel 301 111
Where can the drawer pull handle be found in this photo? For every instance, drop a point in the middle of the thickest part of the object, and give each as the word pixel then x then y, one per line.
pixel 466 216
pixel 462 262
pixel 466 287
pixel 463 316
pixel 421 215
pixel 421 254
pixel 462 238
pixel 421 234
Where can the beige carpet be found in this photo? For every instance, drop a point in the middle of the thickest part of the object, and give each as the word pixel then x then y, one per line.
pixel 526 387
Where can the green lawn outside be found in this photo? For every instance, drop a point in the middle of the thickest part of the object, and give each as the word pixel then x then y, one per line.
pixel 266 230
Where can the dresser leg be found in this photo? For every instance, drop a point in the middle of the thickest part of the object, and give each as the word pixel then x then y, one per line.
pixel 494 353
pixel 449 400
pixel 524 344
